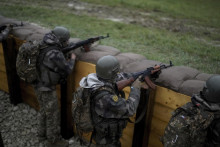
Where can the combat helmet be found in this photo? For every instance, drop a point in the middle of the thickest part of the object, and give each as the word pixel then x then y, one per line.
pixel 211 90
pixel 62 34
pixel 107 68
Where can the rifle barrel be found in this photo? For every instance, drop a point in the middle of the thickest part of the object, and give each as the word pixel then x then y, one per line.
pixel 81 43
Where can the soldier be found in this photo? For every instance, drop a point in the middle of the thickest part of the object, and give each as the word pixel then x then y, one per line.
pixel 109 110
pixel 53 69
pixel 197 123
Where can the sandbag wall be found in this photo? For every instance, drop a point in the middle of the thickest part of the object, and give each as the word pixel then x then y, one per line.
pixel 178 81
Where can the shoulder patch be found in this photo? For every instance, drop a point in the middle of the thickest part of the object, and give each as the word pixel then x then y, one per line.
pixel 115 98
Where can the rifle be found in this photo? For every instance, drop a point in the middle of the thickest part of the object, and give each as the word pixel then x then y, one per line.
pixel 85 43
pixel 6 28
pixel 151 72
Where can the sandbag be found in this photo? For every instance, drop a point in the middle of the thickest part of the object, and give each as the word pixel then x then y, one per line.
pixel 173 77
pixel 126 58
pixel 190 87
pixel 203 76
pixel 104 48
pixel 93 56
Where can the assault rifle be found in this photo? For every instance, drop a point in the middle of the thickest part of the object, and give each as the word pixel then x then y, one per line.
pixel 6 28
pixel 85 44
pixel 151 72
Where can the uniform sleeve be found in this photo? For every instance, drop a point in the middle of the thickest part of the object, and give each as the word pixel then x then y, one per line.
pixel 61 64
pixel 113 106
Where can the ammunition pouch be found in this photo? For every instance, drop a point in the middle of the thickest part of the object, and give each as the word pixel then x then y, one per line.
pixel 112 129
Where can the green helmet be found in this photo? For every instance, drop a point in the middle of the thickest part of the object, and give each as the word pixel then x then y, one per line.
pixel 61 33
pixel 211 90
pixel 107 68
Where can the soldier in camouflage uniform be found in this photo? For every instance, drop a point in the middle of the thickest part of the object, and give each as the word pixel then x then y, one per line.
pixel 197 123
pixel 109 110
pixel 53 69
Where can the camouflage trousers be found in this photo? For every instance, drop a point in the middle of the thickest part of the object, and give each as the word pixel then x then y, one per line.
pixel 105 137
pixel 49 116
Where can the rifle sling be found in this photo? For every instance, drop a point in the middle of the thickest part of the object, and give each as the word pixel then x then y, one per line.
pixel 139 118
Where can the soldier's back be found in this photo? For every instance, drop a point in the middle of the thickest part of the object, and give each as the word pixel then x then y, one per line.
pixel 187 127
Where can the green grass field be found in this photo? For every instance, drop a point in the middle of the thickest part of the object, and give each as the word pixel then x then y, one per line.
pixel 183 48
pixel 206 11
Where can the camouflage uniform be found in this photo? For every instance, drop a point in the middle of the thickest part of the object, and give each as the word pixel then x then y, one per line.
pixel 53 69
pixel 188 125
pixel 109 110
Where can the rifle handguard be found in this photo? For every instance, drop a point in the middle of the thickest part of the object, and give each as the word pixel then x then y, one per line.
pixel 85 44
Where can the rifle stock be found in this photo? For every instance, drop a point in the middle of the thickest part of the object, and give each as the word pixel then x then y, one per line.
pixel 124 83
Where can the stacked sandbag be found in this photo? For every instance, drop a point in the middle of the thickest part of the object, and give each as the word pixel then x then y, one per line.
pixel 97 52
pixel 195 85
pixel 28 31
pixel 182 79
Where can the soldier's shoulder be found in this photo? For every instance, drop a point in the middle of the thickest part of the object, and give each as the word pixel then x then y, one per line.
pixel 54 53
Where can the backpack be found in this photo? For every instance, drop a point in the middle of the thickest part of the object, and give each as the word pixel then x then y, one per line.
pixel 81 110
pixel 26 62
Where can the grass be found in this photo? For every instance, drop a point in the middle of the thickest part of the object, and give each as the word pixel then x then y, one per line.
pixel 205 11
pixel 155 44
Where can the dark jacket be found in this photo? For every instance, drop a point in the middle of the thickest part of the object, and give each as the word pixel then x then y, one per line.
pixel 52 65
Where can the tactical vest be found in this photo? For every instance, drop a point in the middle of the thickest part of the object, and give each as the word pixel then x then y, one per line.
pixel 47 75
pixel 110 127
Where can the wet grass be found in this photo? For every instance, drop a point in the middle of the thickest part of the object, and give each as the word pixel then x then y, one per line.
pixel 206 12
